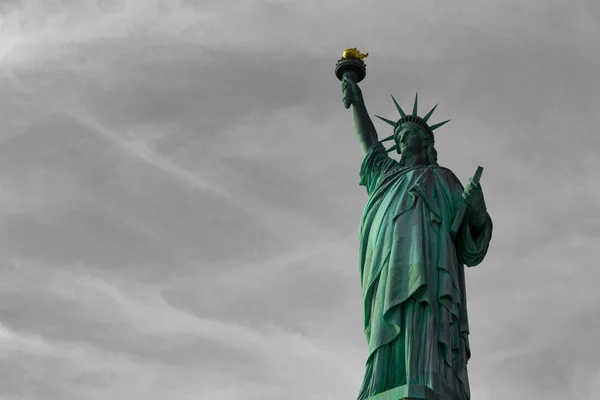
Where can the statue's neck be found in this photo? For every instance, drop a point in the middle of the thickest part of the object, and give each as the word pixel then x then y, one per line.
pixel 415 160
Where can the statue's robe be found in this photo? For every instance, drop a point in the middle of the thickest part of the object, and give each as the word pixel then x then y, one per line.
pixel 412 276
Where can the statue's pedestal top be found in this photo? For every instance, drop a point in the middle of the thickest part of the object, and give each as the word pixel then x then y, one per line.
pixel 409 392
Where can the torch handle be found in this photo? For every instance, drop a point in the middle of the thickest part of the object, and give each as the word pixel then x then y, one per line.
pixel 347 98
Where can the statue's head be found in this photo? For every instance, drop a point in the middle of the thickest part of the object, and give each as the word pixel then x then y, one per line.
pixel 411 139
pixel 412 135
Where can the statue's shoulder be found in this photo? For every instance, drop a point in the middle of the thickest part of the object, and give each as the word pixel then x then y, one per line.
pixel 447 175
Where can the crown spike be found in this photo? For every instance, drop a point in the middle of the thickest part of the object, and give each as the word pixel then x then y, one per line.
pixel 434 127
pixel 415 105
pixel 394 147
pixel 387 138
pixel 392 123
pixel 425 118
pixel 398 107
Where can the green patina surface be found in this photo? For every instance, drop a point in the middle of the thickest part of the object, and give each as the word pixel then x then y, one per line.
pixel 409 392
pixel 419 229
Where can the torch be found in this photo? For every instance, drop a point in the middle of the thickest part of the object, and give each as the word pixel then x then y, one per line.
pixel 352 68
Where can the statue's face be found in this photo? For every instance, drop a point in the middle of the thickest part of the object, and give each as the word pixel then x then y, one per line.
pixel 410 139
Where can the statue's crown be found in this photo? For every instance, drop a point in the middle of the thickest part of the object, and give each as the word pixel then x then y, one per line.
pixel 412 118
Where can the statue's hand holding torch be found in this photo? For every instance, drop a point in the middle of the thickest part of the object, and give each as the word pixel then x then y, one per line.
pixel 351 91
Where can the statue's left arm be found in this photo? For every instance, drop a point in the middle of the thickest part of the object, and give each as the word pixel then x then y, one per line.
pixel 475 233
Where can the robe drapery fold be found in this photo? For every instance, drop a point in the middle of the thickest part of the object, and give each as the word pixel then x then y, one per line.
pixel 412 277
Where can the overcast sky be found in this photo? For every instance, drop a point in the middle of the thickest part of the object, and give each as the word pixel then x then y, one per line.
pixel 179 199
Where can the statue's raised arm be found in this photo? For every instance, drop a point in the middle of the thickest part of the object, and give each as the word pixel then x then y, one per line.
pixel 351 70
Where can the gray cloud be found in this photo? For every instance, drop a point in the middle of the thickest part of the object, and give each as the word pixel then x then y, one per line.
pixel 180 208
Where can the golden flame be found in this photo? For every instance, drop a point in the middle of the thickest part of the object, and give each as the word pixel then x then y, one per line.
pixel 354 53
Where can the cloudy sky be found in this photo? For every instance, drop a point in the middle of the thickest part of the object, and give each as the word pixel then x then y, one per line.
pixel 179 199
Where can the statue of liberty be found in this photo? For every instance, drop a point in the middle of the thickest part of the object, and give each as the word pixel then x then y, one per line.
pixel 419 229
